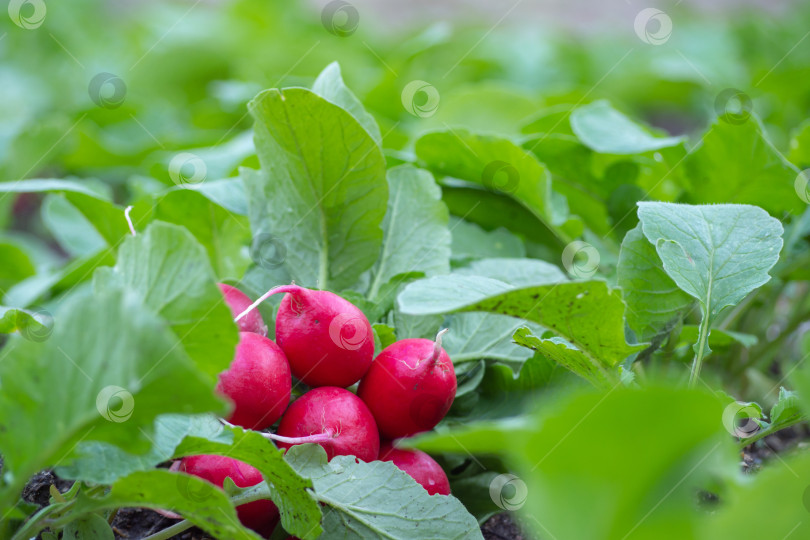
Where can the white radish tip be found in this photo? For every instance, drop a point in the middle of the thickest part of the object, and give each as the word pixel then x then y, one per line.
pixel 437 346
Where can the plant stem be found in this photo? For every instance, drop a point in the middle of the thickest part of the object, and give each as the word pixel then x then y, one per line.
pixel 771 430
pixel 317 438
pixel 292 288
pixel 168 532
pixel 129 220
pixel 703 338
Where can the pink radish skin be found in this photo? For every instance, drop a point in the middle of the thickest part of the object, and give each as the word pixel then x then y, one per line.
pixel 258 382
pixel 409 387
pixel 326 338
pixel 238 302
pixel 420 466
pixel 261 516
pixel 334 418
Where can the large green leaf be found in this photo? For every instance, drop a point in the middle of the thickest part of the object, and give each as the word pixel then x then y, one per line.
pixel 170 271
pixel 330 86
pixel 514 271
pixel 495 163
pixel 556 477
pixel 737 163
pixel 71 228
pixel 566 355
pixel 322 188
pixel 415 233
pixel 377 500
pixel 587 314
pixel 605 130
pixel 654 301
pixel 195 499
pixel 110 367
pixel 473 336
pixel 472 242
pixel 717 254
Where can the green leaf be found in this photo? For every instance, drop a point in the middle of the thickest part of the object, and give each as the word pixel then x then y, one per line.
pixel 552 452
pixel 779 492
pixel 300 514
pixel 472 242
pixel 717 254
pixel 329 85
pixel 69 226
pixel 195 499
pixel 587 314
pixel 607 131
pixel 469 375
pixel 415 233
pixel 104 384
pixel 566 355
pixel 473 336
pixel 786 408
pixel 377 500
pixel 222 234
pixel 32 325
pixel 493 162
pixel 106 217
pixel 654 301
pixel 170 271
pixel 322 189
pixel 384 336
pixel 103 463
pixel 15 268
pixel 517 272
pixel 229 193
pixel 720 338
pixel 737 163
pixel 88 527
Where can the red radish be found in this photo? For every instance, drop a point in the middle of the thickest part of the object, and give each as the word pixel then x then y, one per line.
pixel 261 516
pixel 420 466
pixel 258 382
pixel 239 302
pixel 409 387
pixel 326 338
pixel 334 418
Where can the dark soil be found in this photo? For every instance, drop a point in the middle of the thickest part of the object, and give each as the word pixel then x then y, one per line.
pixel 755 455
pixel 134 523
pixel 502 527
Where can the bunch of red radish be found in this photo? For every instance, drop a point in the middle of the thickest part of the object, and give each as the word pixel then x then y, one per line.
pixel 326 342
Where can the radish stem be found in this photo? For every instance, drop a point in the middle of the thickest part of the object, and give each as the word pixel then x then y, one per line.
pixel 437 346
pixel 292 288
pixel 127 210
pixel 326 436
